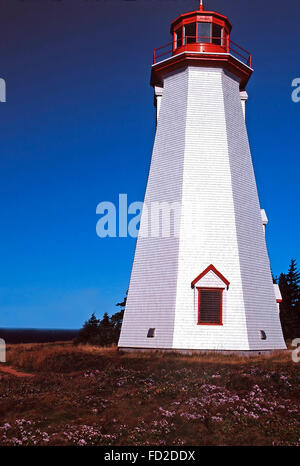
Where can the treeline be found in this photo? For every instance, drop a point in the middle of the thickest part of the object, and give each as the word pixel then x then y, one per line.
pixel 102 332
pixel 15 336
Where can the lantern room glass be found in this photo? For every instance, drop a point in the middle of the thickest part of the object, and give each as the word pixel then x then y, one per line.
pixel 178 37
pixel 200 32
pixel 204 32
pixel 190 33
pixel 217 34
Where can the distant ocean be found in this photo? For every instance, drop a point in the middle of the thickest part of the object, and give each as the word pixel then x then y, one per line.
pixel 35 335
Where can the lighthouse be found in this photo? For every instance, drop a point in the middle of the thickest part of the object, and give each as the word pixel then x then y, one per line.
pixel 206 284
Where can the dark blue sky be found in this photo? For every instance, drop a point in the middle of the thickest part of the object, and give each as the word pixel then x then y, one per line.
pixel 78 129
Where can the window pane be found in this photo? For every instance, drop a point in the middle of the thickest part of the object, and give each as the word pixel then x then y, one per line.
pixel 204 32
pixel 178 35
pixel 217 34
pixel 210 307
pixel 190 33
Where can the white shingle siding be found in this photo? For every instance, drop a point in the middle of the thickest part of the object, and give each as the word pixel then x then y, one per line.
pixel 207 192
pixel 260 306
pixel 152 290
pixel 201 158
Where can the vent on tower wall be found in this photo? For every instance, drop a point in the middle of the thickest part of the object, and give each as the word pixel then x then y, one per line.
pixel 151 333
pixel 262 335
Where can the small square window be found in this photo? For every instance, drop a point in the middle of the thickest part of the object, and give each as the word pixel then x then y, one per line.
pixel 262 335
pixel 151 333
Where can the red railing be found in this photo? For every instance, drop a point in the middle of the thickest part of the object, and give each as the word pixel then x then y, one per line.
pixel 240 53
pixel 233 48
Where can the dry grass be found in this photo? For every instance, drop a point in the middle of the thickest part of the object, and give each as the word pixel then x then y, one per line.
pixel 56 357
pixel 45 357
pixel 99 396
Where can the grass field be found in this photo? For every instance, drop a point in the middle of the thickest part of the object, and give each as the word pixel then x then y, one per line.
pixel 93 396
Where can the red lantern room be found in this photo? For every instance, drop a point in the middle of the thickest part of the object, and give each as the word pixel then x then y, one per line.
pixel 201 38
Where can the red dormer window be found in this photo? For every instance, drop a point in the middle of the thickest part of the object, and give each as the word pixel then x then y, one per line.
pixel 210 285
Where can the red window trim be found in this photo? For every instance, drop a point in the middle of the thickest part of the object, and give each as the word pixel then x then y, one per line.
pixel 208 269
pixel 221 310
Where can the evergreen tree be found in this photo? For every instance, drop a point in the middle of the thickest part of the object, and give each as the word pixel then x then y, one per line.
pixel 289 285
pixel 293 281
pixel 117 318
pixel 106 331
pixel 102 332
pixel 93 322
pixel 89 331
pixel 123 303
pixel 106 322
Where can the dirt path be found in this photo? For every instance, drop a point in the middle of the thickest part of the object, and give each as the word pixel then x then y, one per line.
pixel 10 370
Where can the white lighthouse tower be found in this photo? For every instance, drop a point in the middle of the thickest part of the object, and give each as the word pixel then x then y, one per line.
pixel 208 287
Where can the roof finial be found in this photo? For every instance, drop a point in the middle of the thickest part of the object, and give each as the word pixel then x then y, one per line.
pixel 201 7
